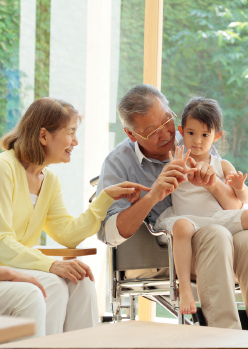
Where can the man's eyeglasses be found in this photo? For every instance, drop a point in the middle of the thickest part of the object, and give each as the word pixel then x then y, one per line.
pixel 171 117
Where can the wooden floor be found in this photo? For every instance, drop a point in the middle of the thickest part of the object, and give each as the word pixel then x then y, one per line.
pixel 138 334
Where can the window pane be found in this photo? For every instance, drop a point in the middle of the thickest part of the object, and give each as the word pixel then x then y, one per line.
pixel 9 64
pixel 205 53
pixel 131 52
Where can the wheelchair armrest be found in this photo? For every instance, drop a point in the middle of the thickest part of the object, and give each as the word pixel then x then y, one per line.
pixel 92 197
pixel 150 227
pixel 94 181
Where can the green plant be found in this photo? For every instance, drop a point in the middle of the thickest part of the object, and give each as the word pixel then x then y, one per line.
pixel 9 52
pixel 42 49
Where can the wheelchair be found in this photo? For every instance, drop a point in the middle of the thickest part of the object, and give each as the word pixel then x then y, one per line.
pixel 143 251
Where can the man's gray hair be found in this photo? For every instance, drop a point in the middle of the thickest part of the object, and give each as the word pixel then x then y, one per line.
pixel 138 101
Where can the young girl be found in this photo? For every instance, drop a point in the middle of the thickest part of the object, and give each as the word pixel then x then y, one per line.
pixel 193 205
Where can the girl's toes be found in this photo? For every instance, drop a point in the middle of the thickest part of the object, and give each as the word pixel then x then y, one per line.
pixel 193 310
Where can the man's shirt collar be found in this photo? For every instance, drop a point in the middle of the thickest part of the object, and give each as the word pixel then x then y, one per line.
pixel 139 154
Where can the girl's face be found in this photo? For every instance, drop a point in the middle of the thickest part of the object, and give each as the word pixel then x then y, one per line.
pixel 197 137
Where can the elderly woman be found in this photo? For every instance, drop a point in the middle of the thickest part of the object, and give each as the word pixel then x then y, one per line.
pixel 31 201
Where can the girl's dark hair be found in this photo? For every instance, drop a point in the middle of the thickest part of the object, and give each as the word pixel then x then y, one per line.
pixel 208 112
pixel 50 113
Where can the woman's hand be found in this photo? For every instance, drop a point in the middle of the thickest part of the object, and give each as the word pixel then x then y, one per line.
pixel 126 190
pixel 73 270
pixel 17 276
pixel 236 180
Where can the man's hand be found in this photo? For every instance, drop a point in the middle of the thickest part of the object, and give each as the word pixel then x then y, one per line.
pixel 73 270
pixel 171 176
pixel 236 180
pixel 16 276
pixel 181 160
pixel 165 184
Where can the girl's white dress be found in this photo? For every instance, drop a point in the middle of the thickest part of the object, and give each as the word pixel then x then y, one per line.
pixel 199 206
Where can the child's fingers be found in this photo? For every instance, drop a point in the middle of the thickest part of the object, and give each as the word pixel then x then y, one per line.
pixel 244 178
pixel 190 170
pixel 192 162
pixel 231 175
pixel 170 156
pixel 176 152
pixel 181 152
pixel 186 156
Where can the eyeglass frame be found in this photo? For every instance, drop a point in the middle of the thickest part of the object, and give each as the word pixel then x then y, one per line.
pixel 173 117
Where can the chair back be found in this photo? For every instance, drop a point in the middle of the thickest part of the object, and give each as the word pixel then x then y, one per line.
pixel 141 251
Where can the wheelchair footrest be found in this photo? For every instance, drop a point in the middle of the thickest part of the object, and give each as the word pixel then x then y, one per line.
pixel 106 318
pixel 201 319
pixel 195 319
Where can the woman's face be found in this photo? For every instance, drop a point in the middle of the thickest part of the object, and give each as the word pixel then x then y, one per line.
pixel 60 144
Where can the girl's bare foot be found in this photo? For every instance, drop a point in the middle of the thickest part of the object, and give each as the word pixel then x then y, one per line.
pixel 187 303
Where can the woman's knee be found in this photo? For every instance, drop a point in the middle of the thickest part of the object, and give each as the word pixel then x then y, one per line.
pixel 56 287
pixel 31 301
pixel 85 288
pixel 57 281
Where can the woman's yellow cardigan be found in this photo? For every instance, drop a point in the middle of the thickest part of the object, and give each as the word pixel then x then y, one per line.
pixel 21 224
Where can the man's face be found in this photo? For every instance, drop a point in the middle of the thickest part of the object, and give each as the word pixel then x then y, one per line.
pixel 158 145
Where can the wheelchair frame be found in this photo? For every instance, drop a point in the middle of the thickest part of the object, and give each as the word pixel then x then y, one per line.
pixel 167 296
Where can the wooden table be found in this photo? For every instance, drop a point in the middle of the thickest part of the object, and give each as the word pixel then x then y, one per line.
pixel 138 334
pixel 13 327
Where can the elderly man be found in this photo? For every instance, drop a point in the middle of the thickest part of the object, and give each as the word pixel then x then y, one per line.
pixel 144 158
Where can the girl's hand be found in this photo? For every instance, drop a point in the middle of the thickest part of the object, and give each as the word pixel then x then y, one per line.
pixel 126 190
pixel 236 180
pixel 181 160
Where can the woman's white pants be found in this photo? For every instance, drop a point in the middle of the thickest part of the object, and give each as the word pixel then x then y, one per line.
pixel 68 306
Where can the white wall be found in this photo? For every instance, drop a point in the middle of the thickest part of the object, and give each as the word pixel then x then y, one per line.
pixel 84 62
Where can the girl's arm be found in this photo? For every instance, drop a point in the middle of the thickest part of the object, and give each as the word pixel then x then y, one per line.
pixel 235 181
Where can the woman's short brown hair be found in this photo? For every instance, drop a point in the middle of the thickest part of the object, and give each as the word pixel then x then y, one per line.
pixel 50 113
